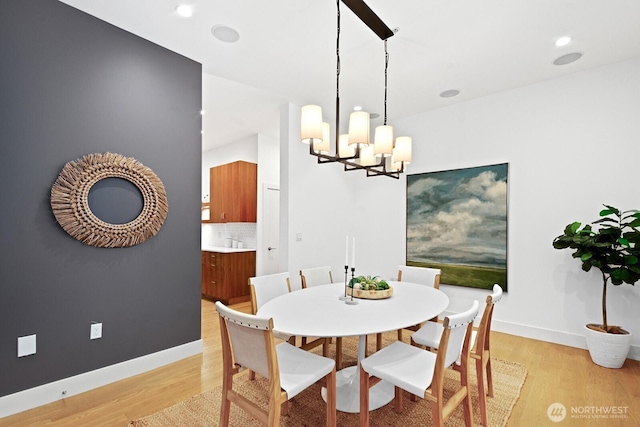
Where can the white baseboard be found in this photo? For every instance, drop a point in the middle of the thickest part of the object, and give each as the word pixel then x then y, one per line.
pixel 548 335
pixel 47 393
pixel 556 337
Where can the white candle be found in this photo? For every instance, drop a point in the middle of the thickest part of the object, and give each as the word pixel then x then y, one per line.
pixel 346 251
pixel 353 254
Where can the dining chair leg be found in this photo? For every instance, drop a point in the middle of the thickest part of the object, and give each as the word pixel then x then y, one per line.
pixel 465 379
pixel 274 412
pixel 331 399
pixel 482 397
pixel 226 405
pixel 339 353
pixel 399 334
pixel 378 342
pixel 436 413
pixel 489 376
pixel 364 398
pixel 397 399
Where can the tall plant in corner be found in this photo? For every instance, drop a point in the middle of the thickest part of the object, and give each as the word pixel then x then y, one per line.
pixel 613 248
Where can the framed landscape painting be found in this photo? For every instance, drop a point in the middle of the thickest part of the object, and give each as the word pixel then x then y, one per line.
pixel 457 222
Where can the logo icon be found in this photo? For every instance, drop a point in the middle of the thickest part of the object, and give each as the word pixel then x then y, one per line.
pixel 556 412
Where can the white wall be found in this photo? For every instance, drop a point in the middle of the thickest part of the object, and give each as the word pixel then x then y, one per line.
pixel 571 144
pixel 316 201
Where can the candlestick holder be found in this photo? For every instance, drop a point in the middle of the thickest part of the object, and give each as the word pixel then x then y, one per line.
pixel 352 301
pixel 345 296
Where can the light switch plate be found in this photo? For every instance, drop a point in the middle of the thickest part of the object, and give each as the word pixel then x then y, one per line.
pixel 26 345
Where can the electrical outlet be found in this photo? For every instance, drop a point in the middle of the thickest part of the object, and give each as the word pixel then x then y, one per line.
pixel 26 345
pixel 298 237
pixel 96 331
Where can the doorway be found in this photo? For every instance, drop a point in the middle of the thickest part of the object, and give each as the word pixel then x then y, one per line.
pixel 271 229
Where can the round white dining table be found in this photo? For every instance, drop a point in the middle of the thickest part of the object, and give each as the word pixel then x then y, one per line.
pixel 318 312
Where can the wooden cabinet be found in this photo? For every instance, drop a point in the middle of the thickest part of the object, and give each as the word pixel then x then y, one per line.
pixel 225 276
pixel 233 192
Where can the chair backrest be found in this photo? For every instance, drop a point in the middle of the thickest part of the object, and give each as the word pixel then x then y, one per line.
pixel 422 275
pixel 266 288
pixel 247 340
pixel 456 335
pixel 315 276
pixel 484 328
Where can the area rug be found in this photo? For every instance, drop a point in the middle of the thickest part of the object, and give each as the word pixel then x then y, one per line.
pixel 308 408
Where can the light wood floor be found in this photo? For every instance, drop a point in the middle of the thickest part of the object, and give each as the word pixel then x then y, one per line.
pixel 555 374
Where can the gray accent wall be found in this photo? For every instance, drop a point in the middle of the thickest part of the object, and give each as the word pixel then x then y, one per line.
pixel 72 85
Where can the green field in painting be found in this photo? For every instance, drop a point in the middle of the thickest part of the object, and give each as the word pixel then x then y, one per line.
pixel 464 275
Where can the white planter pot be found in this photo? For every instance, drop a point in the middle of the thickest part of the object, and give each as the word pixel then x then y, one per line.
pixel 608 350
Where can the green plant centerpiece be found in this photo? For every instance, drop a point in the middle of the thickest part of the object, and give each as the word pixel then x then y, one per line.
pixel 369 287
pixel 612 245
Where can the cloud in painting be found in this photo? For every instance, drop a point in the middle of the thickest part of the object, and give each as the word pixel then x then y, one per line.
pixel 458 216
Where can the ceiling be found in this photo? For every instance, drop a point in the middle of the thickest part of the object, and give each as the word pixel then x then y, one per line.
pixel 286 51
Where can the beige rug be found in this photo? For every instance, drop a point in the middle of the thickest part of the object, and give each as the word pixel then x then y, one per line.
pixel 308 408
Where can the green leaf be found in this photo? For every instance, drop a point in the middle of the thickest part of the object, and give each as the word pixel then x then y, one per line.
pixel 587 256
pixel 572 228
pixel 623 242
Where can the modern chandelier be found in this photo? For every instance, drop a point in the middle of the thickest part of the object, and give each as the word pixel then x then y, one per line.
pixel 385 156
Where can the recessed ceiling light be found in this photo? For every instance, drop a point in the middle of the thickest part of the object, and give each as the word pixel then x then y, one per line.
pixel 449 93
pixel 568 58
pixel 357 108
pixel 202 112
pixel 225 34
pixel 184 10
pixel 563 41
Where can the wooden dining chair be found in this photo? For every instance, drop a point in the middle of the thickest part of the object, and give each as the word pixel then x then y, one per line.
pixel 429 335
pixel 421 372
pixel 422 275
pixel 315 276
pixel 248 342
pixel 267 287
pixel 318 276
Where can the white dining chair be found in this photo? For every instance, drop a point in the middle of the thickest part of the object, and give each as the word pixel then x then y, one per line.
pixel 267 287
pixel 421 372
pixel 422 275
pixel 429 335
pixel 317 276
pixel 248 342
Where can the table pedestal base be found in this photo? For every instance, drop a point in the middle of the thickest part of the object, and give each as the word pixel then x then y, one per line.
pixel 348 391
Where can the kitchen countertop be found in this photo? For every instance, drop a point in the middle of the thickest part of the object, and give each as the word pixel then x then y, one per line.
pixel 222 249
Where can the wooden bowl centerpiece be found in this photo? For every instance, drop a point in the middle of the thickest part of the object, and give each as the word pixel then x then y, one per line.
pixel 367 287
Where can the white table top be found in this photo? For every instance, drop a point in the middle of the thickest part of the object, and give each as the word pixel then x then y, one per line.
pixel 317 311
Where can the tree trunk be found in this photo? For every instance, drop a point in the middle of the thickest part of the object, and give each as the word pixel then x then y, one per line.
pixel 604 303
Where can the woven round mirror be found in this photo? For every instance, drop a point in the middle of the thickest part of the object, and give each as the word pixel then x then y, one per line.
pixel 70 201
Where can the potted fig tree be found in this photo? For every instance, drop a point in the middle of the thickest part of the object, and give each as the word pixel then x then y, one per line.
pixel 612 245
